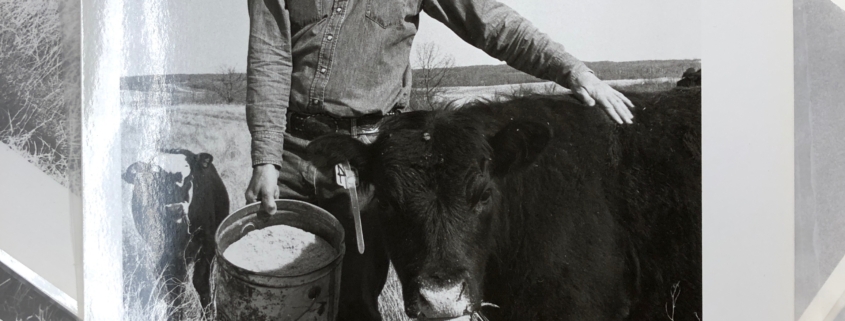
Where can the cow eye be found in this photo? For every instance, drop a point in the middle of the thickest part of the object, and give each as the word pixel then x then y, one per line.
pixel 485 196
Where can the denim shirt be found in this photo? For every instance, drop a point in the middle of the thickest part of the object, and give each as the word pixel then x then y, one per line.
pixel 351 57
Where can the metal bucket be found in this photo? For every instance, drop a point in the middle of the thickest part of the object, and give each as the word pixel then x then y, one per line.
pixel 240 294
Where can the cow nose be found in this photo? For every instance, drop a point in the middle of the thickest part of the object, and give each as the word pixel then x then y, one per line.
pixel 447 301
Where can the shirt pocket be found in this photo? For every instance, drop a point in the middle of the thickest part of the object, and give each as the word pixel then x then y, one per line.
pixel 305 12
pixel 385 13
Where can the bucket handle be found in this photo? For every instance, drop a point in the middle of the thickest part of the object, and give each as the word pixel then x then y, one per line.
pixel 313 293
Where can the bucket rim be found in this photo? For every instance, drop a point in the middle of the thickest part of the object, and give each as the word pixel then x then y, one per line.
pixel 253 208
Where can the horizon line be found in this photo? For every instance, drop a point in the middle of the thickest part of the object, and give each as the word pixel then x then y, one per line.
pixel 461 66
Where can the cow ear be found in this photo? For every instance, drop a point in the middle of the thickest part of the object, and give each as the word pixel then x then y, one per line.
pixel 205 159
pixel 517 145
pixel 333 149
pixel 131 171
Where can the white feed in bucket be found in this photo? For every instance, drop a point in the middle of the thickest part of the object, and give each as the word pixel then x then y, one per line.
pixel 281 250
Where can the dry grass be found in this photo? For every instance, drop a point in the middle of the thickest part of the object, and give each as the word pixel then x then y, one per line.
pixel 216 129
pixel 219 130
pixel 143 299
pixel 39 77
pixel 462 95
pixel 20 301
pixel 647 85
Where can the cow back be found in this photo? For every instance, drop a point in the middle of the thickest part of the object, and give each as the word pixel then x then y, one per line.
pixel 604 200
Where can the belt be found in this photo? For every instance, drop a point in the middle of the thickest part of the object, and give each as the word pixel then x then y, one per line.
pixel 311 126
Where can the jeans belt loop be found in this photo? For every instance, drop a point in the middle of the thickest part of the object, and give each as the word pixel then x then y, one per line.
pixel 354 127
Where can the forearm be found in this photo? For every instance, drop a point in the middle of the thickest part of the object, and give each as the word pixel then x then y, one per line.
pixel 502 33
pixel 268 80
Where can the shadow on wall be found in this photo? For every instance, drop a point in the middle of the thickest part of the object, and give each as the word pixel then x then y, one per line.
pixel 819 31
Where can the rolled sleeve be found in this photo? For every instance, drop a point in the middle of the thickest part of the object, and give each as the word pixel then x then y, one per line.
pixel 502 33
pixel 268 79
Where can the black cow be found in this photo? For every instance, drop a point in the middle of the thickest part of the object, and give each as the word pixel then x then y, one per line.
pixel 541 206
pixel 691 78
pixel 178 201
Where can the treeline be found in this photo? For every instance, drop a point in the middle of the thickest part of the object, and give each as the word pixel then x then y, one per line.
pixel 485 75
pixel 227 88
pixel 492 75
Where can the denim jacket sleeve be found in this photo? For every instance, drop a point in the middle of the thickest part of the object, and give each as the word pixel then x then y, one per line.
pixel 268 79
pixel 502 33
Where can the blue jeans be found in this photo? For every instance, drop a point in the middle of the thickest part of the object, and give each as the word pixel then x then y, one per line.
pixel 362 275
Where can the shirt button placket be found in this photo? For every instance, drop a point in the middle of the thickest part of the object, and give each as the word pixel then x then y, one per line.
pixel 326 52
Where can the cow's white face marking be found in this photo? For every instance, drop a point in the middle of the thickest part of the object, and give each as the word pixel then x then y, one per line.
pixel 176 163
pixel 173 163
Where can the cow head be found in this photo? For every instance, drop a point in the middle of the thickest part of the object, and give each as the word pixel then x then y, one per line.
pixel 437 182
pixel 163 187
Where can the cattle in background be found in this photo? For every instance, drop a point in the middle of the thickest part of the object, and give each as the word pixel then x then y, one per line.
pixel 541 206
pixel 691 78
pixel 178 201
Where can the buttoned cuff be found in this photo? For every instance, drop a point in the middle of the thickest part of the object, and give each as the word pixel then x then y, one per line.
pixel 267 148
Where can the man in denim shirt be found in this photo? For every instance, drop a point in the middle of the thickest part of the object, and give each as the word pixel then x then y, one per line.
pixel 321 66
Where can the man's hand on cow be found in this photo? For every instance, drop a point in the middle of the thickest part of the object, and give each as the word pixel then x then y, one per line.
pixel 263 186
pixel 590 89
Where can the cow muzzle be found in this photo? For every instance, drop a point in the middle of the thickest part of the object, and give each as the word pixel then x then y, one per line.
pixel 444 302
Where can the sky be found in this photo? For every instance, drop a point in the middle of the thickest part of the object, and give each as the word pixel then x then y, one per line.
pixel 200 36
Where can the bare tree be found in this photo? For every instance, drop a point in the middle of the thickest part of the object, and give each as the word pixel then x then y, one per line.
pixel 229 84
pixel 433 68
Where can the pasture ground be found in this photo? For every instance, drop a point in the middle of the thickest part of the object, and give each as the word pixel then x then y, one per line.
pixel 221 131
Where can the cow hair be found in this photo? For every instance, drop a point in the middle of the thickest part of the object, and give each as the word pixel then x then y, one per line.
pixel 581 202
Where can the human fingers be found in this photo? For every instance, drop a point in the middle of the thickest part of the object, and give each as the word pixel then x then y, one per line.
pixel 585 97
pixel 268 201
pixel 609 109
pixel 613 97
pixel 625 100
pixel 622 109
pixel 250 194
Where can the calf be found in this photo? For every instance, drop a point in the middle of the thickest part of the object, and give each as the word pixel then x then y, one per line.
pixel 540 206
pixel 178 201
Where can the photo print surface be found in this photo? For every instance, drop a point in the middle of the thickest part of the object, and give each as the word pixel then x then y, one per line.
pixel 510 160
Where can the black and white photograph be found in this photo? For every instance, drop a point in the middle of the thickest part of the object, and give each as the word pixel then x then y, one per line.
pixel 411 160
pixel 819 27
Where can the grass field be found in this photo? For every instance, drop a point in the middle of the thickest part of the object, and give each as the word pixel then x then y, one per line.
pixel 221 131
pixel 216 129
pixel 463 94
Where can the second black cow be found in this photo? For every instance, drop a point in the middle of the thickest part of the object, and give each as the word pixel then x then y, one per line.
pixel 178 201
pixel 540 206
